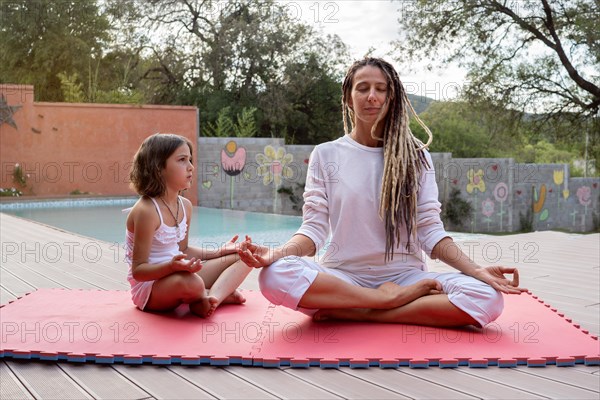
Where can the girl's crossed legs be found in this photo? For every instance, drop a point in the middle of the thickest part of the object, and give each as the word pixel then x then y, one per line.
pixel 204 291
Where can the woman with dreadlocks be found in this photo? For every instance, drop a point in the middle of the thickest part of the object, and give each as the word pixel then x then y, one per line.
pixel 374 191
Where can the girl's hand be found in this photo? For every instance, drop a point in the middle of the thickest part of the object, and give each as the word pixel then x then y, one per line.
pixel 233 247
pixel 229 247
pixel 494 276
pixel 179 263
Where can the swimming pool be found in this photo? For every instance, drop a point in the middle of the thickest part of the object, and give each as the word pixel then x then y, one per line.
pixel 208 226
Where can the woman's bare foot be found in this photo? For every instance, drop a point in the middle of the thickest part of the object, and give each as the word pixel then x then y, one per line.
pixel 235 298
pixel 205 307
pixel 397 296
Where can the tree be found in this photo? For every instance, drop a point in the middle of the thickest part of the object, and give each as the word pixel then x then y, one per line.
pixel 241 54
pixel 533 55
pixel 461 130
pixel 43 38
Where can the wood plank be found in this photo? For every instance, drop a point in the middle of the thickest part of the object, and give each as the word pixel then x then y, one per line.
pixel 344 385
pixel 531 383
pixel 555 255
pixel 476 386
pixel 10 386
pixel 47 381
pixel 221 383
pixel 6 296
pixel 79 248
pixel 566 375
pixel 405 384
pixel 160 382
pixel 103 381
pixel 281 384
pixel 585 369
pixel 14 283
pixel 31 276
pixel 44 270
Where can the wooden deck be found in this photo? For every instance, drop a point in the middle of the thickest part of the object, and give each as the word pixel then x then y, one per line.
pixel 562 269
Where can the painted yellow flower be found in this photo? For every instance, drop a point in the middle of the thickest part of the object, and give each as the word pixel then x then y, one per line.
pixel 559 176
pixel 475 181
pixel 274 164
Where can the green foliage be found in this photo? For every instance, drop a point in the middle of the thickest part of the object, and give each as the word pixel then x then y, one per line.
pixel 538 55
pixel 12 192
pixel 224 126
pixel 456 211
pixel 526 222
pixel 463 131
pixel 543 152
pixel 246 123
pixel 277 76
pixel 19 178
pixel 40 39
pixel 294 196
pixel 78 192
pixel 71 90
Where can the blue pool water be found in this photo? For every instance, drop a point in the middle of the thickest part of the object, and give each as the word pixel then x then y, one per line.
pixel 209 225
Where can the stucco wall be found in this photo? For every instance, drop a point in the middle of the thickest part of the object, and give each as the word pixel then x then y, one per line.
pixel 66 147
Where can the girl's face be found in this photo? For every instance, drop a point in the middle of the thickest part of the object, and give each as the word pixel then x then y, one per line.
pixel 178 169
pixel 368 95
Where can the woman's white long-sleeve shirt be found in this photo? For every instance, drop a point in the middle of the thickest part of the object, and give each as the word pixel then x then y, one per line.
pixel 341 197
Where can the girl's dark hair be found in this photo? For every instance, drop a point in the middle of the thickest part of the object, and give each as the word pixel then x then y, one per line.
pixel 149 161
pixel 402 153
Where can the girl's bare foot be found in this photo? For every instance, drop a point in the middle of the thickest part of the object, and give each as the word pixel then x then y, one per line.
pixel 235 298
pixel 205 307
pixel 397 296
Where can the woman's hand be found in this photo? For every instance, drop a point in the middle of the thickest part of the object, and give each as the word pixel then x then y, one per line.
pixel 179 263
pixel 494 276
pixel 256 256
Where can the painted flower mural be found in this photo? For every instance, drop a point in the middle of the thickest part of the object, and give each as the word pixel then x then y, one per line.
pixel 584 195
pixel 233 158
pixel 233 161
pixel 539 199
pixel 487 207
pixel 273 165
pixel 475 181
pixel 501 194
pixel 558 176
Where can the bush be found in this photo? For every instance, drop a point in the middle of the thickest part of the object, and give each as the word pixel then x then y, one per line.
pixel 457 210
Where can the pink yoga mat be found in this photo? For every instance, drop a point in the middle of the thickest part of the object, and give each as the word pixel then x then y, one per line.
pixel 104 327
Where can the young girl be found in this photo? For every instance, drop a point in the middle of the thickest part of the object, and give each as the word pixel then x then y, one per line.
pixel 373 190
pixel 164 271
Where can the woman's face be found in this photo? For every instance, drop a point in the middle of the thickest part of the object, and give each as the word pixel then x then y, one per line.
pixel 368 95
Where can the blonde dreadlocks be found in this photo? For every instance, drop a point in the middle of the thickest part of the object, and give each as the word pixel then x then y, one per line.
pixel 402 153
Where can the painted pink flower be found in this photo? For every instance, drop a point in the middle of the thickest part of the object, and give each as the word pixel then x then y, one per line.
pixel 487 207
pixel 584 194
pixel 233 159
pixel 501 192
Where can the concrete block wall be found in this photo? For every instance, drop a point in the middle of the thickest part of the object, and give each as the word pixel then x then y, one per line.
pixel 251 174
pixel 505 196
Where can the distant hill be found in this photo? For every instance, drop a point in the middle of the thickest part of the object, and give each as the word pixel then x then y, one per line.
pixel 420 103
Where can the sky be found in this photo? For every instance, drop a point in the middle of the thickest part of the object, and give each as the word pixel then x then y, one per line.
pixel 365 24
